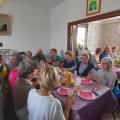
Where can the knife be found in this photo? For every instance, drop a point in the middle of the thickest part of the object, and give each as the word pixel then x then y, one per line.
pixel 95 93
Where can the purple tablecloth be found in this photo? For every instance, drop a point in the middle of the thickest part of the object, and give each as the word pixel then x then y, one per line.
pixel 90 110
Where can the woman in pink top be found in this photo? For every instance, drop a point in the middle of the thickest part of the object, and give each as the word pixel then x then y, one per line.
pixel 13 74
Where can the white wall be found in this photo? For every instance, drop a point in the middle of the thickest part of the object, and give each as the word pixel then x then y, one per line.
pixel 30 27
pixel 111 37
pixel 58 27
pixel 94 37
pixel 72 10
pixel 103 34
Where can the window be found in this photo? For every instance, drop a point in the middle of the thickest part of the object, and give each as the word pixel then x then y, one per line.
pixel 82 35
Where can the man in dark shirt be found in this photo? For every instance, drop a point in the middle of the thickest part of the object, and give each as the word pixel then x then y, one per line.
pixel 39 56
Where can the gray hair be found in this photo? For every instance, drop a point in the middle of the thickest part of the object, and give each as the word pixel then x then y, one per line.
pixel 26 67
pixel 107 60
pixel 86 54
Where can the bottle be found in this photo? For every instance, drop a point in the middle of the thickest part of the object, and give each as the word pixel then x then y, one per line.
pixel 75 73
pixel 77 86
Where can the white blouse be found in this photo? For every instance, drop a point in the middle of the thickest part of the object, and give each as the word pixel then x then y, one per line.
pixel 43 107
pixel 106 78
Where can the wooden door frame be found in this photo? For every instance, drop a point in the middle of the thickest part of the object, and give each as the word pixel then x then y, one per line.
pixel 86 20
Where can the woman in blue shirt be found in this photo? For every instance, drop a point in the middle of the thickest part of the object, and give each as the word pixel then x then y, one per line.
pixel 69 62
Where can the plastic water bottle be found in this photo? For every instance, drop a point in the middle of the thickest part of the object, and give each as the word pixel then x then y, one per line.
pixel 75 73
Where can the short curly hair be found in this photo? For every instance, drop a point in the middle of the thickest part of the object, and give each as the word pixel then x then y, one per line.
pixel 26 67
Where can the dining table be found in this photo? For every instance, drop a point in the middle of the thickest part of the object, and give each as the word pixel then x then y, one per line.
pixel 93 109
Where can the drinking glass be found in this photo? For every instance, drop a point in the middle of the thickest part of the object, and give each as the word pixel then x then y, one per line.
pixel 70 92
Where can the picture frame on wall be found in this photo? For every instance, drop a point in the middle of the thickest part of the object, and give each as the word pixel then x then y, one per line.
pixel 4 24
pixel 93 7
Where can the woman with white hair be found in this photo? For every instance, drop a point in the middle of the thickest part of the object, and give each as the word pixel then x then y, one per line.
pixel 106 76
pixel 41 104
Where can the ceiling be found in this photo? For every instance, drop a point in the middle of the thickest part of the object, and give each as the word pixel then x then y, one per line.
pixel 47 4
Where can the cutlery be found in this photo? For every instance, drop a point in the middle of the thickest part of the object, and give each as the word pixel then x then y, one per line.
pixel 95 93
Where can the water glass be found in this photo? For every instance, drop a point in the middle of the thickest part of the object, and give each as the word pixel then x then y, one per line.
pixel 70 92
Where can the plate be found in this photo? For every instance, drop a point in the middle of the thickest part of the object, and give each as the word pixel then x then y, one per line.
pixel 86 82
pixel 86 95
pixel 63 90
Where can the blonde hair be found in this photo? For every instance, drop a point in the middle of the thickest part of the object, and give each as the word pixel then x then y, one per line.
pixel 48 77
pixel 70 53
pixel 86 55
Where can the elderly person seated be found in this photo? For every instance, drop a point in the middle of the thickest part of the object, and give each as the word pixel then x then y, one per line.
pixel 69 62
pixel 41 104
pixel 22 87
pixel 106 76
pixel 39 56
pixel 85 66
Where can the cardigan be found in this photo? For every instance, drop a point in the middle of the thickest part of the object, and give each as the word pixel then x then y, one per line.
pixel 21 91
pixel 87 70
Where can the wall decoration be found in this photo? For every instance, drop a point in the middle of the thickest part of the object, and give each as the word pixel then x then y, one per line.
pixel 4 24
pixel 93 7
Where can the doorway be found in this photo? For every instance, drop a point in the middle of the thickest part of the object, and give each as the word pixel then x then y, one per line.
pixel 76 29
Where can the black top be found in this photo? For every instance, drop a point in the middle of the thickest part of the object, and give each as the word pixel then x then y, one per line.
pixel 87 70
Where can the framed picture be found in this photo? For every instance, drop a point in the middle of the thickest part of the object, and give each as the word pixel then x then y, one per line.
pixel 93 7
pixel 4 24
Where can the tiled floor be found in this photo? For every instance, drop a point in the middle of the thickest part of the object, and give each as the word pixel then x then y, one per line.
pixel 108 116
